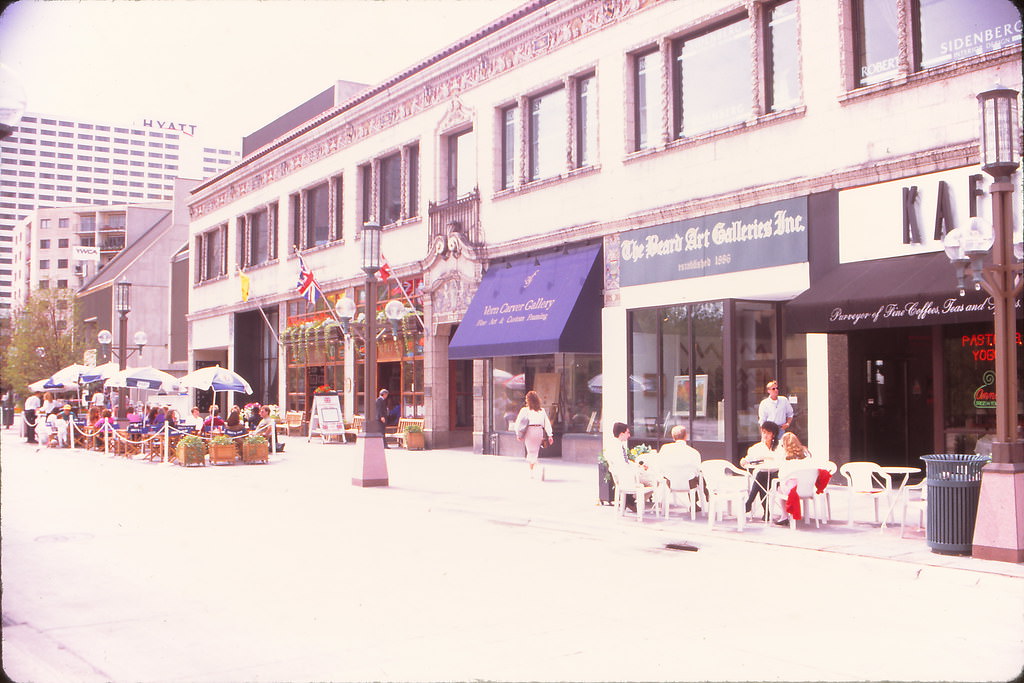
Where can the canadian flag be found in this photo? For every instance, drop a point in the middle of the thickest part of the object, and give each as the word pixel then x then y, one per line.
pixel 385 270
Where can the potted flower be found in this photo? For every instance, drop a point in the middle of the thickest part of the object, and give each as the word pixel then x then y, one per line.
pixel 322 390
pixel 255 448
pixel 414 439
pixel 605 483
pixel 222 449
pixel 190 450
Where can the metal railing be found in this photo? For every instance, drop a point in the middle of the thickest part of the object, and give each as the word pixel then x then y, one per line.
pixel 457 215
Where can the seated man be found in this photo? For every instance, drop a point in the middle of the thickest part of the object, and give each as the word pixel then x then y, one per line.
pixel 678 455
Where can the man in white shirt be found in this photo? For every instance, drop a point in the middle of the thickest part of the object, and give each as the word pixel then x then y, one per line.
pixel 775 408
pixel 32 404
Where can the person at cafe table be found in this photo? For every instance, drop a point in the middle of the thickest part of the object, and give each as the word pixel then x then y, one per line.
pixel 213 422
pixel 762 453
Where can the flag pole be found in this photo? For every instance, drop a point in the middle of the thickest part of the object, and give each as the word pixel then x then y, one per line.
pixel 245 298
pixel 391 274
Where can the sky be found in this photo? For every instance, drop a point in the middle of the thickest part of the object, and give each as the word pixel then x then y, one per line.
pixel 228 66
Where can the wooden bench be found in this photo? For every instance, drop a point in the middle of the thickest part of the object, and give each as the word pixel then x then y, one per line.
pixel 398 436
pixel 352 431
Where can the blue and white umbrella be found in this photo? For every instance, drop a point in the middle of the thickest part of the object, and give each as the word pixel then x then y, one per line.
pixel 142 378
pixel 216 378
pixel 100 372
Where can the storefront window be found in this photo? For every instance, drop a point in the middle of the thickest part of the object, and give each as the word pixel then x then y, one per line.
pixel 569 385
pixel 877 43
pixel 969 355
pixel 957 29
pixel 708 372
pixel 755 355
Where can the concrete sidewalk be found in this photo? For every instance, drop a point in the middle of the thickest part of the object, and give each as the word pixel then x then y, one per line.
pixel 499 488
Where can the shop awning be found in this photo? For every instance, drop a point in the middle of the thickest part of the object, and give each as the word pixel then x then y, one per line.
pixel 545 304
pixel 894 292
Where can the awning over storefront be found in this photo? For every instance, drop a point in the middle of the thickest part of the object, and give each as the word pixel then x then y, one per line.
pixel 895 292
pixel 523 308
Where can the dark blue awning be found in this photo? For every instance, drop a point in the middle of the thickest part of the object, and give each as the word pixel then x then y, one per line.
pixel 524 309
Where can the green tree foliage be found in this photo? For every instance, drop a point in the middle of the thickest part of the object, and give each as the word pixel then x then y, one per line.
pixel 49 320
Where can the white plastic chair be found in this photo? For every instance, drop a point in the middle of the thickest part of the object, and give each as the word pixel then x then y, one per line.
pixel 824 499
pixel 679 477
pixel 804 477
pixel 866 480
pixel 725 484
pixel 916 499
pixel 627 481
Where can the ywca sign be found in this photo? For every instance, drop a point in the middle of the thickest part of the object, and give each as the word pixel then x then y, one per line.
pixel 761 236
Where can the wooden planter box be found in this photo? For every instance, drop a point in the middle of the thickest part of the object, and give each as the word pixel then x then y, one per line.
pixel 255 452
pixel 223 453
pixel 189 456
pixel 415 441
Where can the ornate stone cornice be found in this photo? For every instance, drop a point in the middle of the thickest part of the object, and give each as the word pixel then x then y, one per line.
pixel 413 96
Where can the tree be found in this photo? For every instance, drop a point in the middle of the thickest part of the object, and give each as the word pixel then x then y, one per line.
pixel 45 337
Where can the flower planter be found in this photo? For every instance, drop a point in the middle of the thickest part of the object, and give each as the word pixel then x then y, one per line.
pixel 223 453
pixel 189 456
pixel 415 441
pixel 255 452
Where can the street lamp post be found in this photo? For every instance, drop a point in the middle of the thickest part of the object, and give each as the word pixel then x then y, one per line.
pixel 123 306
pixel 999 531
pixel 371 465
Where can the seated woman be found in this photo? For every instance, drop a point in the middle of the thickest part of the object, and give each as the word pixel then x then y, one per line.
pixel 132 415
pixel 194 419
pixel 106 420
pixel 793 448
pixel 234 421
pixel 156 418
pixel 762 453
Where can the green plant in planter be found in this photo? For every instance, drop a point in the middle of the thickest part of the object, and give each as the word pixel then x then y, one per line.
pixel 413 429
pixel 192 450
pixel 255 439
pixel 192 442
pixel 221 440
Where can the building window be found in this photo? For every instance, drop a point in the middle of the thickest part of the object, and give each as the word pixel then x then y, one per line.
pixel 586 121
pixel 412 164
pixel 461 169
pixel 547 134
pixel 87 222
pixel 941 32
pixel 646 100
pixel 509 146
pixel 44 264
pixel 318 216
pixel 712 84
pixel 62 263
pixel 44 244
pixel 366 183
pixel 783 60
pixel 211 261
pixel 62 284
pixel 390 189
pixel 63 243
pixel 337 187
pixel 44 284
pixel 44 223
pixel 259 236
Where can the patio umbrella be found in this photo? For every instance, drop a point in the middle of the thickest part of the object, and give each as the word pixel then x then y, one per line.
pixel 49 385
pixel 216 378
pixel 100 372
pixel 142 378
pixel 70 374
pixel 596 384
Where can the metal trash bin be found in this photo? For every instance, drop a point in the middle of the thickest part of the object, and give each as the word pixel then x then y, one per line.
pixel 954 487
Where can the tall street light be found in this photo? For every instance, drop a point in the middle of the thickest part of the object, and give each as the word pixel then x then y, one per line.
pixel 999 531
pixel 371 465
pixel 123 306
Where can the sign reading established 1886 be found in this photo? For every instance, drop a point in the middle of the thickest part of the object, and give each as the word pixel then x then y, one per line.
pixel 772 234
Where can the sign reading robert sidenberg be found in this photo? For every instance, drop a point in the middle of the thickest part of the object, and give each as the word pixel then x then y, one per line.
pixel 761 236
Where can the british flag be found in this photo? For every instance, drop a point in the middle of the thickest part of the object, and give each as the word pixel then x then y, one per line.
pixel 307 285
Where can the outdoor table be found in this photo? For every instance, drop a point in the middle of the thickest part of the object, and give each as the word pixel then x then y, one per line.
pixel 900 491
pixel 772 469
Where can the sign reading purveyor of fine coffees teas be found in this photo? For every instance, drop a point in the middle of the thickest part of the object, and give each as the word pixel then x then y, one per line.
pixel 772 234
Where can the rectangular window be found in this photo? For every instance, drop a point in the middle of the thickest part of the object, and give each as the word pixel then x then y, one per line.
pixel 646 100
pixel 213 256
pixel 783 68
pixel 63 243
pixel 509 147
pixel 876 49
pixel 338 187
pixel 318 216
pixel 255 239
pixel 461 164
pixel 296 203
pixel 44 244
pixel 586 121
pixel 712 84
pixel 366 182
pixel 390 189
pixel 44 264
pixel 62 263
pixel 949 30
pixel 547 134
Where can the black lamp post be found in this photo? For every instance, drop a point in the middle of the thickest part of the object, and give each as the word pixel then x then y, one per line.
pixel 999 531
pixel 371 465
pixel 123 306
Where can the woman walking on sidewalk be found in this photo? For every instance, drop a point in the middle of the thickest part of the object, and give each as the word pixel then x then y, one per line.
pixel 533 428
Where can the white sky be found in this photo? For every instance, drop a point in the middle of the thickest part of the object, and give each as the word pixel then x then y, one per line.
pixel 229 66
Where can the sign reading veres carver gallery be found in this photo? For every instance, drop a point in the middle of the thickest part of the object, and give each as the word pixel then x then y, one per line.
pixel 761 236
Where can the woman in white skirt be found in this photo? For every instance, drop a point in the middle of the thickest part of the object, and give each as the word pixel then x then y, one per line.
pixel 533 428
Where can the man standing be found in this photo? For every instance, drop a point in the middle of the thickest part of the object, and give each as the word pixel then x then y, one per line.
pixel 775 409
pixel 382 413
pixel 32 404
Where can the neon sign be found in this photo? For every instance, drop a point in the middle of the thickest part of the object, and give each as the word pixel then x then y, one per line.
pixel 985 395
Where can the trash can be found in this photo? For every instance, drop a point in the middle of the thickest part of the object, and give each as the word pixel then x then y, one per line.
pixel 954 486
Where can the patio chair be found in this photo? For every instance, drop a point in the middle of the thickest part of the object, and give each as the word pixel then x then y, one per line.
pixel 800 480
pixel 725 484
pixel 916 500
pixel 292 423
pixel 678 479
pixel 865 480
pixel 627 481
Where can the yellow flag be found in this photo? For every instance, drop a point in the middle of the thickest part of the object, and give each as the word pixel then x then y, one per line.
pixel 244 279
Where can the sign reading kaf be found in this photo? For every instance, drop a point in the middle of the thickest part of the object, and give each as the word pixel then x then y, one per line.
pixel 772 234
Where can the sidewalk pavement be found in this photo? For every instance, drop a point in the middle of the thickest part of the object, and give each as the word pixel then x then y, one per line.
pixel 498 488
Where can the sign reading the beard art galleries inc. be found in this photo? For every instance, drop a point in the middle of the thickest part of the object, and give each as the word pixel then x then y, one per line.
pixel 772 234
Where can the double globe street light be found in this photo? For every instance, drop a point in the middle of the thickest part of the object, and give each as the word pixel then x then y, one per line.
pixel 123 306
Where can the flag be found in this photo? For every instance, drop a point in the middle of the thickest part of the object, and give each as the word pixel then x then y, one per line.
pixel 244 281
pixel 306 284
pixel 385 270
